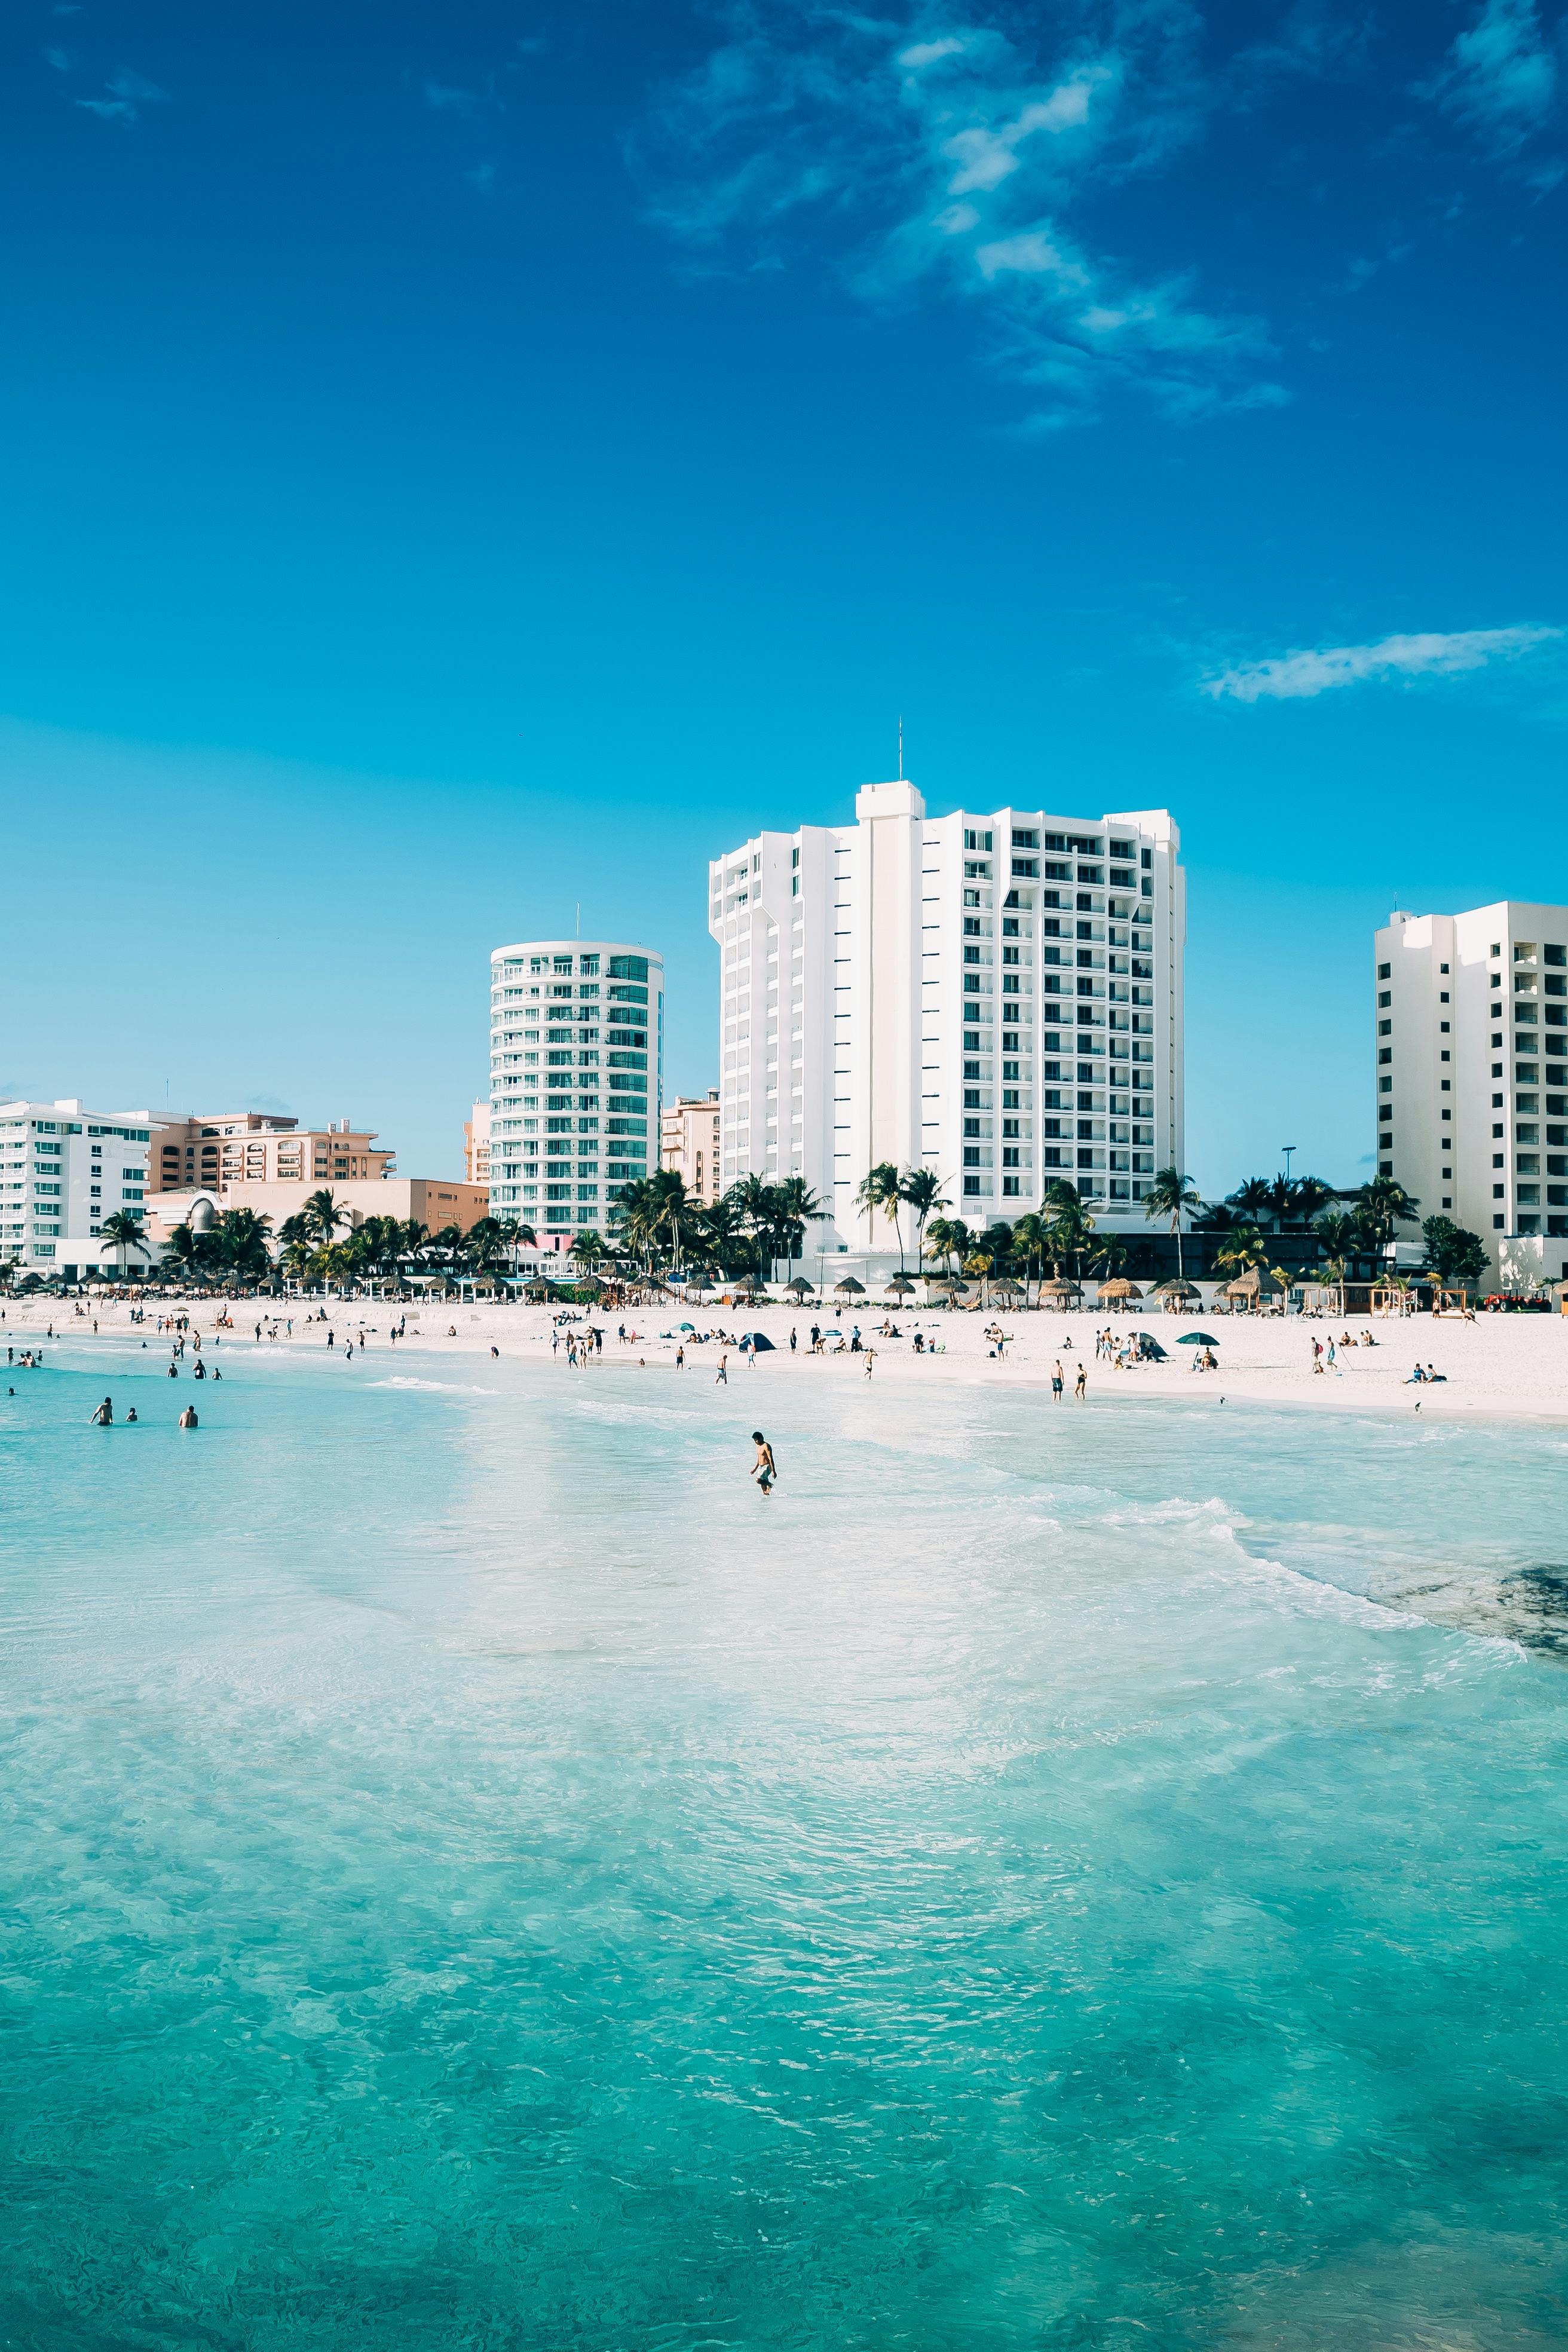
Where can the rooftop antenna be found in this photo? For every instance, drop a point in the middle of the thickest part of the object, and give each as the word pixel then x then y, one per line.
pixel 1287 1149
pixel 579 918
pixel 901 747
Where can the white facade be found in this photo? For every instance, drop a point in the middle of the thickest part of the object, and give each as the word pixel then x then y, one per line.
pixel 64 1169
pixel 1472 1073
pixel 576 1078
pixel 994 997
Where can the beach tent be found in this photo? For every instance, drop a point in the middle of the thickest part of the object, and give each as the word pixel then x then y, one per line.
pixel 1119 1289
pixel 1151 1346
pixel 758 1341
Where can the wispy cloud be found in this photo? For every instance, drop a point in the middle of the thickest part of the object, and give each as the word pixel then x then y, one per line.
pixel 129 93
pixel 1288 677
pixel 1500 77
pixel 923 149
pixel 449 100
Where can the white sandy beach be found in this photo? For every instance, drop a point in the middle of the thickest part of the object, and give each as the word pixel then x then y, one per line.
pixel 1510 1364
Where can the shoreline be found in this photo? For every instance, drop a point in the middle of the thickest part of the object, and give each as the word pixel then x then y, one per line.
pixel 1501 1366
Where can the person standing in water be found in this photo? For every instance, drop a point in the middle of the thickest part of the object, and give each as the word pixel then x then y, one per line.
pixel 764 1469
pixel 1080 1387
pixel 188 1418
pixel 1056 1381
pixel 103 1417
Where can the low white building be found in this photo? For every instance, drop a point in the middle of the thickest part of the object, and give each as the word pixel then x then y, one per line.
pixel 64 1169
pixel 996 997
pixel 1471 1020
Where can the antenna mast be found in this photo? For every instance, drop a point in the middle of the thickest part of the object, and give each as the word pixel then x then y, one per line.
pixel 901 747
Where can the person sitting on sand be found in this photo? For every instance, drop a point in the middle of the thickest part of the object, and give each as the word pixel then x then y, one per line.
pixel 1416 1378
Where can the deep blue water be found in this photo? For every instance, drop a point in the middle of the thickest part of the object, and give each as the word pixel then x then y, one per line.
pixel 476 1875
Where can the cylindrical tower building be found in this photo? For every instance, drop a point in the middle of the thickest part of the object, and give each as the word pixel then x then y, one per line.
pixel 576 1078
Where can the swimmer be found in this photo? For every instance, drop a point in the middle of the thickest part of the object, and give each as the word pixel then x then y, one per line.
pixel 131 1416
pixel 103 1416
pixel 764 1469
pixel 188 1418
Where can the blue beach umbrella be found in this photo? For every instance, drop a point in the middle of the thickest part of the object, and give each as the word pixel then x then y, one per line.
pixel 1197 1339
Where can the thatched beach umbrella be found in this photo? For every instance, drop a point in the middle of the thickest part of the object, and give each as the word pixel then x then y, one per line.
pixel 1006 1289
pixel 1059 1292
pixel 1255 1284
pixel 800 1287
pixel 901 1287
pixel 1119 1288
pixel 849 1288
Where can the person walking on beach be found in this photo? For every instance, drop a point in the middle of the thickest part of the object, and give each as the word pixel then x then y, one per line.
pixel 1056 1381
pixel 722 1375
pixel 1080 1387
pixel 764 1470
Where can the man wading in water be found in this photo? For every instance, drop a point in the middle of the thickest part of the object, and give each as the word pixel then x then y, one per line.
pixel 764 1469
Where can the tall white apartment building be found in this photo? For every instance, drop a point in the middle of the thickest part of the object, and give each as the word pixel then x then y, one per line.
pixel 64 1169
pixel 1472 1073
pixel 995 997
pixel 577 1076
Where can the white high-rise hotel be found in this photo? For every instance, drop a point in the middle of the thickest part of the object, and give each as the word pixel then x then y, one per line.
pixel 576 1077
pixel 994 997
pixel 1472 1073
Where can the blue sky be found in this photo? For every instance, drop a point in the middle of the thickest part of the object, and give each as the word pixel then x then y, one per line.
pixel 462 462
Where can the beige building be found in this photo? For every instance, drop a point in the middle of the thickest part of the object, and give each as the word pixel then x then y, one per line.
pixel 476 1144
pixel 415 1199
pixel 249 1147
pixel 689 1143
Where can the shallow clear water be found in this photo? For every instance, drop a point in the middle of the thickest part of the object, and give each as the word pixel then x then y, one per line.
pixel 477 1874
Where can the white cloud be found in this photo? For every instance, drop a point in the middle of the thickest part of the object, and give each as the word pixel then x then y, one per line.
pixel 1292 677
pixel 131 92
pixel 923 154
pixel 1500 77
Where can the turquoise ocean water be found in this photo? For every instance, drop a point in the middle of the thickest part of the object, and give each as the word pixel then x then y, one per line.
pixel 475 1875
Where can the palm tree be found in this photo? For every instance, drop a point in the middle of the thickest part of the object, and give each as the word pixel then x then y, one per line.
pixel 1338 1234
pixel 1243 1248
pixel 1380 1206
pixel 722 1229
pixel 920 1190
pixel 124 1230
pixel 798 1207
pixel 587 1248
pixel 239 1243
pixel 879 1188
pixel 1312 1195
pixel 949 1238
pixel 322 1217
pixel 1029 1238
pixel 1253 1200
pixel 1173 1195
pixel 1069 1225
pixel 180 1251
